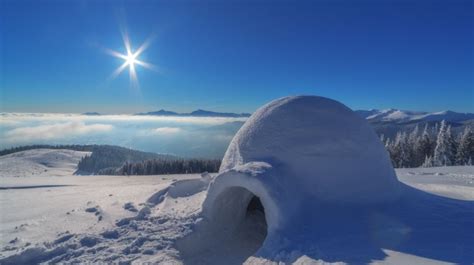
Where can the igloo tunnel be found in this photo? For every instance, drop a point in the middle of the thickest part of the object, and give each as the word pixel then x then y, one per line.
pixel 291 156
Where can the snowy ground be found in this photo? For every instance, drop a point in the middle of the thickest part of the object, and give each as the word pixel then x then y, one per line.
pixel 64 218
pixel 40 162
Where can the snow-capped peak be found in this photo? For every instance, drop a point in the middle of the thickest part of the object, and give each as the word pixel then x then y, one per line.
pixel 404 116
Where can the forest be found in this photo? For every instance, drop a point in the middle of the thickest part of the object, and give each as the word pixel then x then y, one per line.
pixel 431 147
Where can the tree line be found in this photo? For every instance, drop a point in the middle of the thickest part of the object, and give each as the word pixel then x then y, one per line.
pixel 106 157
pixel 433 147
pixel 75 147
pixel 165 166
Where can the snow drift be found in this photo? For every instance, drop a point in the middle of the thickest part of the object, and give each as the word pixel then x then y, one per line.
pixel 291 155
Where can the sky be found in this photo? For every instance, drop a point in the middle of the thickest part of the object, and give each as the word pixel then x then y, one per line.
pixel 236 55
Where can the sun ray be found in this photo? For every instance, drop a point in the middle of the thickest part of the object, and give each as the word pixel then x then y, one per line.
pixel 115 53
pixel 118 70
pixel 148 66
pixel 144 46
pixel 131 59
pixel 133 77
pixel 126 41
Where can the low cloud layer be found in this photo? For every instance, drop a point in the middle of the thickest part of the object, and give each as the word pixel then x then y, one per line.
pixel 54 131
pixel 166 130
pixel 15 118
pixel 182 136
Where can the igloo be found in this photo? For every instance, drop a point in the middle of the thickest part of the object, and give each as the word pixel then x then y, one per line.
pixel 291 156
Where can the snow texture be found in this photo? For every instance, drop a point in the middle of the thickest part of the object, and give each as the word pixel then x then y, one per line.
pixel 40 162
pixel 306 139
pixel 292 190
pixel 291 151
pixel 432 224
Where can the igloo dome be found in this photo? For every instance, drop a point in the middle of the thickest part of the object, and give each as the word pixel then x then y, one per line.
pixel 317 146
pixel 291 156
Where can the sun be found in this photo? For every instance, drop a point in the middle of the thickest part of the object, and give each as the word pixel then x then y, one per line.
pixel 131 59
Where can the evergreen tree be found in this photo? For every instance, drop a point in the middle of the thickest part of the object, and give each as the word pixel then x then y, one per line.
pixel 465 151
pixel 410 148
pixel 444 152
pixel 399 151
pixel 424 147
pixel 428 162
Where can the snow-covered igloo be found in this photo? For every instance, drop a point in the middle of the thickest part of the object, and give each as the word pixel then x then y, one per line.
pixel 291 155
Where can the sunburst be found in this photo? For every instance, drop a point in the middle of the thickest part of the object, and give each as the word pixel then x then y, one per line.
pixel 131 59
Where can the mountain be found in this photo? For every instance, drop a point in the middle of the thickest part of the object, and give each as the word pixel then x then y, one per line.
pixel 206 113
pixel 390 121
pixel 160 112
pixel 91 113
pixel 196 113
pixel 396 116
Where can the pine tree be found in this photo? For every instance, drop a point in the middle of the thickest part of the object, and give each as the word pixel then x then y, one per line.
pixel 399 151
pixel 428 162
pixel 465 151
pixel 453 145
pixel 444 151
pixel 411 148
pixel 424 147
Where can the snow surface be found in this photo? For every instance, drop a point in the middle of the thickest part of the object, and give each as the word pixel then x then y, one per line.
pixel 40 162
pixel 91 219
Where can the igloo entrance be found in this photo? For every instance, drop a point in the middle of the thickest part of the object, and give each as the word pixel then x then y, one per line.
pixel 236 207
pixel 236 230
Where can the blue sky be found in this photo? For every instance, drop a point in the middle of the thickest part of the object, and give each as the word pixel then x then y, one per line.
pixel 237 55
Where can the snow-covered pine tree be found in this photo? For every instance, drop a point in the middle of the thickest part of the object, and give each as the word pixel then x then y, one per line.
pixel 435 129
pixel 428 162
pixel 444 150
pixel 389 146
pixel 411 148
pixel 424 147
pixel 388 143
pixel 453 145
pixel 399 151
pixel 465 151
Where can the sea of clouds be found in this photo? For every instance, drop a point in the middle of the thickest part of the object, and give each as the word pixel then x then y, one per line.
pixel 182 136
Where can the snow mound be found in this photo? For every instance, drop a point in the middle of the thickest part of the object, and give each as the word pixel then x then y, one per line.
pixel 291 156
pixel 40 162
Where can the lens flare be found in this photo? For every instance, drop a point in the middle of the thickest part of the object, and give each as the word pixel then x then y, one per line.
pixel 131 59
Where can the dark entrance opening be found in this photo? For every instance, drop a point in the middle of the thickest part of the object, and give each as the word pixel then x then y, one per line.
pixel 255 207
pixel 236 229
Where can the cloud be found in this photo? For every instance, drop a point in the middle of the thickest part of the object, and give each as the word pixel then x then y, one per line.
pixel 166 130
pixel 184 136
pixel 64 117
pixel 55 131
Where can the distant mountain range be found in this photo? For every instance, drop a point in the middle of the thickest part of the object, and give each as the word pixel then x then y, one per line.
pixel 390 121
pixel 196 113
pixel 91 114
pixel 396 116
pixel 373 116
